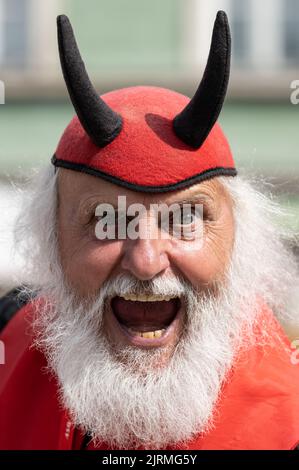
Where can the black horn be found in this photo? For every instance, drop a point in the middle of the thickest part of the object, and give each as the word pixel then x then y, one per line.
pixel 196 120
pixel 100 122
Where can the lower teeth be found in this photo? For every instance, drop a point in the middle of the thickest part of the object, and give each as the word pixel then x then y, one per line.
pixel 147 334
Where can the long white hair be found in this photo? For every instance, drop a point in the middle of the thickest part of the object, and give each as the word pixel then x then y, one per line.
pixel 120 396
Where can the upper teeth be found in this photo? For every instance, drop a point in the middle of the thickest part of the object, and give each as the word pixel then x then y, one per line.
pixel 147 298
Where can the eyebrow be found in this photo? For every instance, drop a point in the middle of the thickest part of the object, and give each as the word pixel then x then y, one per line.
pixel 90 205
pixel 193 198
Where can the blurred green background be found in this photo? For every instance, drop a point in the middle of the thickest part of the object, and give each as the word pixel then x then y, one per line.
pixel 163 43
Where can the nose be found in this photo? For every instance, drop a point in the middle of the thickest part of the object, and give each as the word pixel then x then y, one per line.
pixel 145 258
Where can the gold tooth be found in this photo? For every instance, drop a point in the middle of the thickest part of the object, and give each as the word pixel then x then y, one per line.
pixel 158 333
pixel 148 334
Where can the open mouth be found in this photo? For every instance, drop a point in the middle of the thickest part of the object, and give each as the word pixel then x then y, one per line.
pixel 146 319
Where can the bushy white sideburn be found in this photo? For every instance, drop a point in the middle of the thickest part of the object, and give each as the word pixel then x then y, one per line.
pixel 263 246
pixel 120 396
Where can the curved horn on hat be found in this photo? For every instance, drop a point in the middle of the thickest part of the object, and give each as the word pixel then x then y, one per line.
pixel 196 120
pixel 100 122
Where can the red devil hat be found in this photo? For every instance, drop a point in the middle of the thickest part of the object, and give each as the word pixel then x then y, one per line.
pixel 146 138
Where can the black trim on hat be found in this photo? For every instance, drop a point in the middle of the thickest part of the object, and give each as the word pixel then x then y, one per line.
pixel 195 122
pixel 204 175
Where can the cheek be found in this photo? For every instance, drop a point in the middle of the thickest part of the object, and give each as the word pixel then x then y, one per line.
pixel 197 264
pixel 89 265
pixel 204 262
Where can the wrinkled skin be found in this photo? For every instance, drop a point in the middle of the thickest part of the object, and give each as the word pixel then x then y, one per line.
pixel 88 262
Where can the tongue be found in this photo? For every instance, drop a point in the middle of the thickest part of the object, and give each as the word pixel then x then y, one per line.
pixel 135 314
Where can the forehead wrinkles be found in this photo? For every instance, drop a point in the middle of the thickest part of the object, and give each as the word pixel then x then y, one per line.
pixel 91 202
pixel 81 185
pixel 80 194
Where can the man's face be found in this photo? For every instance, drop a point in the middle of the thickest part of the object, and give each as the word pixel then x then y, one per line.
pixel 87 262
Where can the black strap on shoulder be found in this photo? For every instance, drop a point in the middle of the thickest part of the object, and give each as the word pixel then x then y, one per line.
pixel 10 304
pixel 86 441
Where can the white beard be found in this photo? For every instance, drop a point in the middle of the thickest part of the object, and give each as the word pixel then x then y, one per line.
pixel 120 396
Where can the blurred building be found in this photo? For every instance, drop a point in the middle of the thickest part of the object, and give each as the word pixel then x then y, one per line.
pixel 132 40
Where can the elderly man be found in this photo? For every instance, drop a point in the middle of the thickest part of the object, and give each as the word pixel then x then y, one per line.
pixel 169 341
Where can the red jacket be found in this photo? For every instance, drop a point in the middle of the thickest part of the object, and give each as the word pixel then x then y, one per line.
pixel 258 408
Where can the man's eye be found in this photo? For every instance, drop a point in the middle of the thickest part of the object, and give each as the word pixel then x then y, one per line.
pixel 189 216
pixel 107 217
pixel 187 219
pixel 112 218
pixel 112 225
pixel 187 223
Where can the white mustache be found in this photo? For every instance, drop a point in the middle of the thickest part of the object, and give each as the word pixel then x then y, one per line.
pixel 125 284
